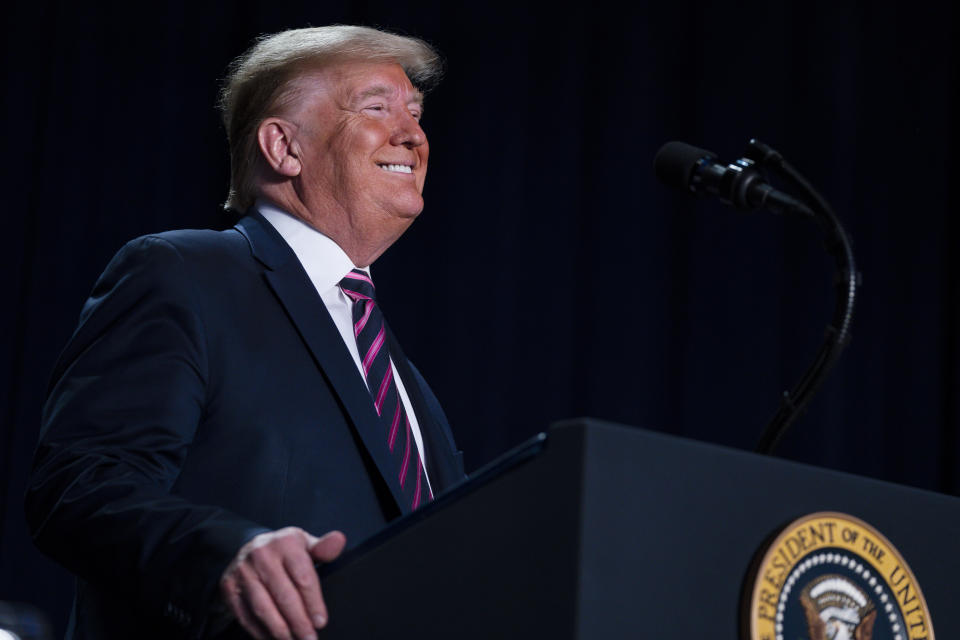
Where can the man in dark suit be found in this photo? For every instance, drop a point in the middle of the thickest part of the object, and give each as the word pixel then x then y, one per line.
pixel 230 396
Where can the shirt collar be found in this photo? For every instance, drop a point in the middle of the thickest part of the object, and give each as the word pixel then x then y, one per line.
pixel 322 258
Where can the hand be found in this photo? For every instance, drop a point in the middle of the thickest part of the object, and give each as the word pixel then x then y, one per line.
pixel 272 588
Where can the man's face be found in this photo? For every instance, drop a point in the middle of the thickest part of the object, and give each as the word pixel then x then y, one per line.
pixel 362 151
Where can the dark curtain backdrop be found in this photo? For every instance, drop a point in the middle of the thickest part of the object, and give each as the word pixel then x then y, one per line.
pixel 549 276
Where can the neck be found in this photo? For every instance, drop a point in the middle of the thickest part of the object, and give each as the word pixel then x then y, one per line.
pixel 360 245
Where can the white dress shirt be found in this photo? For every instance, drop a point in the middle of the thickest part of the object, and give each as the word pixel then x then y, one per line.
pixel 326 264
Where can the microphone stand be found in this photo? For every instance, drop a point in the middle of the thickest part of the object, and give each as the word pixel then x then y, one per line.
pixel 846 280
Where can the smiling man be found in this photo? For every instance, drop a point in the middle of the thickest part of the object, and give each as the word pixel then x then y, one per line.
pixel 353 153
pixel 233 406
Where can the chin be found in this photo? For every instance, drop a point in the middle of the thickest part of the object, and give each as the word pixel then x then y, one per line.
pixel 409 208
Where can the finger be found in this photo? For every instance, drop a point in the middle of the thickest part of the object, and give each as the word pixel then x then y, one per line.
pixel 328 547
pixel 230 590
pixel 249 622
pixel 323 603
pixel 304 577
pixel 261 605
pixel 286 597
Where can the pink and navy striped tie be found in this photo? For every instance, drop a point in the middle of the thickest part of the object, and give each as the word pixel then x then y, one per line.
pixel 370 329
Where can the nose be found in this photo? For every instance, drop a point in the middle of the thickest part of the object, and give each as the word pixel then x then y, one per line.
pixel 407 132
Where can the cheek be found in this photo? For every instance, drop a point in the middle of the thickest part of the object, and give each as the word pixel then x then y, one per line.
pixel 356 144
pixel 369 136
pixel 372 137
pixel 424 152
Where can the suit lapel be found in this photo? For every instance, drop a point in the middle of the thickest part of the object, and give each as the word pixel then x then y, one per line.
pixel 293 288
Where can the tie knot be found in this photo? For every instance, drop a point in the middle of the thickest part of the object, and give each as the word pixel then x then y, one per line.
pixel 358 285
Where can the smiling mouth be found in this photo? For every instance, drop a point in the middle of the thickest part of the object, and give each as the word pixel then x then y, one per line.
pixel 396 168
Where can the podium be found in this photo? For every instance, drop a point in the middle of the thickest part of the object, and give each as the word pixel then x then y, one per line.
pixel 604 531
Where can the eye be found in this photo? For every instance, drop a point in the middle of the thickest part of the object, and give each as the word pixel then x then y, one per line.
pixel 378 107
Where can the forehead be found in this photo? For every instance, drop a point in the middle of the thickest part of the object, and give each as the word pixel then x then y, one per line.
pixel 348 82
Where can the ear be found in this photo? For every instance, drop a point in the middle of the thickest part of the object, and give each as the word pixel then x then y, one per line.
pixel 279 149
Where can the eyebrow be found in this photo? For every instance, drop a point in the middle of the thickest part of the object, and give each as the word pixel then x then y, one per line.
pixel 385 91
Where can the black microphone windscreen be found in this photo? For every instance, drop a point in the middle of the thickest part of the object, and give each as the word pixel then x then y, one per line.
pixel 675 161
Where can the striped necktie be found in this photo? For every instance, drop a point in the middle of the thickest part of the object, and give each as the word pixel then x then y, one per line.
pixel 370 329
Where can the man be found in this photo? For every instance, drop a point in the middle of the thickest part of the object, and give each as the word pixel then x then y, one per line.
pixel 233 403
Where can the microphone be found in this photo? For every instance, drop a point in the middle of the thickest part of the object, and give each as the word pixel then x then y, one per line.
pixel 740 183
pixel 743 185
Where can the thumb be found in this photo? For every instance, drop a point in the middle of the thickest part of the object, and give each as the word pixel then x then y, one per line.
pixel 328 546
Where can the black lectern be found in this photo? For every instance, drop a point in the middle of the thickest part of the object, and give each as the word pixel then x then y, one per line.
pixel 616 532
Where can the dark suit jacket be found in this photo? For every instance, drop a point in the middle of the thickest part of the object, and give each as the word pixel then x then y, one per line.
pixel 205 397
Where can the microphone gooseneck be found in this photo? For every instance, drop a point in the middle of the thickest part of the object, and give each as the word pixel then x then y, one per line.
pixel 743 185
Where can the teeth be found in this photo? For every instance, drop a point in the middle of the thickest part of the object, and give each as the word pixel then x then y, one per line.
pixel 399 168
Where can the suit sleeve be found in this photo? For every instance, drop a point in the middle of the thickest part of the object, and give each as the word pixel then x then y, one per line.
pixel 126 400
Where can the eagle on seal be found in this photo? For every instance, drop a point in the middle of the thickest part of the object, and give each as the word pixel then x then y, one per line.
pixel 837 609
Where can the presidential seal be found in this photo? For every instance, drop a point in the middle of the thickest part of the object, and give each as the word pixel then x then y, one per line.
pixel 830 576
